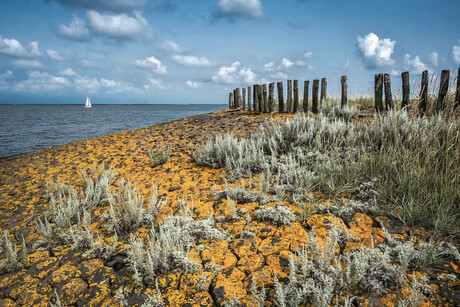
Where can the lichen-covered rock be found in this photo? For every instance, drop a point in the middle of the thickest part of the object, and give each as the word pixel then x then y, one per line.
pixel 279 263
pixel 200 299
pixel 263 229
pixel 70 291
pixel 7 280
pixel 87 268
pixel 295 234
pixel 245 247
pixel 42 268
pixel 217 252
pixel 272 245
pixel 94 295
pixel 63 273
pixel 32 298
pixel 37 256
pixel 192 283
pixel 173 298
pixel 169 281
pixel 363 234
pixel 251 263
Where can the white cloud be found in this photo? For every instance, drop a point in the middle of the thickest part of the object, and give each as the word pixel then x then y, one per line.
pixel 286 63
pixel 308 54
pixel 414 65
pixel 300 63
pixel 112 86
pixel 279 75
pixel 229 75
pixel 117 26
pixel 377 52
pixel 68 72
pixel 248 75
pixel 87 63
pixel 14 48
pixel 434 58
pixel 155 83
pixel 347 64
pixel 7 75
pixel 28 63
pixel 170 47
pixel 232 9
pixel 54 55
pixel 38 81
pixel 191 84
pixel 226 74
pixel 86 85
pixel 270 66
pixel 76 30
pixel 456 54
pixel 154 63
pixel 190 60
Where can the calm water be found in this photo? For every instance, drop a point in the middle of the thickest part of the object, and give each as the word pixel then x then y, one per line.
pixel 25 128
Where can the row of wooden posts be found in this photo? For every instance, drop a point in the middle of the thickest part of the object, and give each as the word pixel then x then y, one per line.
pixel 266 104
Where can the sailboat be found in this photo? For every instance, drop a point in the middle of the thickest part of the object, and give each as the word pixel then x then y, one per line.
pixel 88 103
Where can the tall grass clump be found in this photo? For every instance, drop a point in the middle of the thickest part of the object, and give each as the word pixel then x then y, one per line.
pixel 413 163
pixel 159 155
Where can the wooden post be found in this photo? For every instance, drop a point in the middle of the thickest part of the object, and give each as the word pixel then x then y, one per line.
pixel 314 102
pixel 271 97
pixel 249 99
pixel 323 90
pixel 260 98
pixel 443 87
pixel 265 99
pixel 235 99
pixel 289 96
pixel 230 100
pixel 244 98
pixel 457 92
pixel 344 100
pixel 279 86
pixel 296 96
pixel 306 86
pixel 405 89
pixel 423 93
pixel 388 97
pixel 378 91
pixel 255 96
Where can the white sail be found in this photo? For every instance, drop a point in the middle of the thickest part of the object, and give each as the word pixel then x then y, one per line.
pixel 88 103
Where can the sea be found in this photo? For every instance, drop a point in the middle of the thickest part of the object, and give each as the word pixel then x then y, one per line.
pixel 26 127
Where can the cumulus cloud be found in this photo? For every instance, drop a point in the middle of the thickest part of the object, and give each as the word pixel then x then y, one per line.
pixel 40 81
pixel 155 83
pixel 434 58
pixel 286 63
pixel 308 54
pixel 14 48
pixel 106 5
pixel 456 54
pixel 152 63
pixel 375 51
pixel 269 66
pixel 414 65
pixel 191 84
pixel 190 60
pixel 113 86
pixel 86 63
pixel 117 26
pixel 54 55
pixel 7 75
pixel 68 72
pixel 76 30
pixel 229 74
pixel 170 47
pixel 86 85
pixel 28 63
pixel 232 9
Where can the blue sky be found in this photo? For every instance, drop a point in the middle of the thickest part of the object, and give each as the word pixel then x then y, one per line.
pixel 196 51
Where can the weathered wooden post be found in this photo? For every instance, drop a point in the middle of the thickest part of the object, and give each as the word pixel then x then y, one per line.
pixel 443 87
pixel 235 99
pixel 230 100
pixel 344 100
pixel 296 96
pixel 279 86
pixel 423 93
pixel 323 90
pixel 244 98
pixel 289 96
pixel 378 91
pixel 314 101
pixel 255 96
pixel 306 86
pixel 405 89
pixel 388 97
pixel 265 105
pixel 260 97
pixel 271 96
pixel 457 92
pixel 249 99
